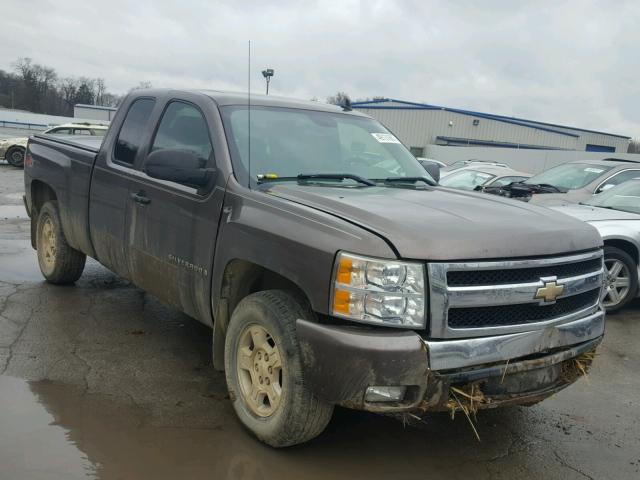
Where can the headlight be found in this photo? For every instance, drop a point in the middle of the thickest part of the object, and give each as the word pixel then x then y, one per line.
pixel 380 292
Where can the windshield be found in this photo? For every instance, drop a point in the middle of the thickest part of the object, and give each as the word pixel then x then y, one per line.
pixel 569 176
pixel 625 197
pixel 466 180
pixel 501 182
pixel 456 165
pixel 287 142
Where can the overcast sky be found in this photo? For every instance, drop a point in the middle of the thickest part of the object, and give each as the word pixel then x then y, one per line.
pixel 574 62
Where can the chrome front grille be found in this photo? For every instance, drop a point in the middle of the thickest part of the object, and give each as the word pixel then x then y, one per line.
pixel 465 278
pixel 487 298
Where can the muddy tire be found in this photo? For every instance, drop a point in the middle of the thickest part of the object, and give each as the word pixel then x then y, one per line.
pixel 15 156
pixel 621 279
pixel 264 371
pixel 59 263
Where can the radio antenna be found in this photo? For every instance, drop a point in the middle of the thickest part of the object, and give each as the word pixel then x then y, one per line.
pixel 249 115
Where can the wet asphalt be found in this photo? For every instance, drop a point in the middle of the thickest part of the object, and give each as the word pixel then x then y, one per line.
pixel 100 380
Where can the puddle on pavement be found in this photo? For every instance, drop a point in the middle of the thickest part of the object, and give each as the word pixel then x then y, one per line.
pixel 52 430
pixel 31 444
pixel 13 212
pixel 18 262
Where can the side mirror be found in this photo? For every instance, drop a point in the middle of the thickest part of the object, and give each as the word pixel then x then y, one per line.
pixel 179 166
pixel 432 169
pixel 604 188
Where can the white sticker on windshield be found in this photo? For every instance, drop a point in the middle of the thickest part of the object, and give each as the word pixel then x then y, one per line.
pixel 593 170
pixel 385 138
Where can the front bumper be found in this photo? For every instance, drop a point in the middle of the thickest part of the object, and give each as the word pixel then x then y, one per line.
pixel 341 362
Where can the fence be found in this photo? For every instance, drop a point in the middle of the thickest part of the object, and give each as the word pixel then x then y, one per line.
pixel 532 161
pixel 22 125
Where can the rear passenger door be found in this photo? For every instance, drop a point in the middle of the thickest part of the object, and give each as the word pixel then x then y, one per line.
pixel 113 173
pixel 173 227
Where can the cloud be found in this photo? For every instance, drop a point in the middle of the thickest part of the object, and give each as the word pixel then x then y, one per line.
pixel 573 62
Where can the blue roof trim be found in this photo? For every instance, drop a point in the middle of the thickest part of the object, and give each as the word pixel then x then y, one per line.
pixel 417 106
pixel 503 118
pixel 488 143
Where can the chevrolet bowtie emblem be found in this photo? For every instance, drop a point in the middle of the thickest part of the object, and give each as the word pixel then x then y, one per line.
pixel 549 291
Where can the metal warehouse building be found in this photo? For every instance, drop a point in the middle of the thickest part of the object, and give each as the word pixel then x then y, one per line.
pixel 418 125
pixel 94 112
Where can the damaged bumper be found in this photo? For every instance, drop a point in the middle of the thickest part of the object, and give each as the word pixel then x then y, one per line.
pixel 341 362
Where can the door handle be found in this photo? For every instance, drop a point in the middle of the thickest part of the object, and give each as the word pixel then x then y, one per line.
pixel 140 198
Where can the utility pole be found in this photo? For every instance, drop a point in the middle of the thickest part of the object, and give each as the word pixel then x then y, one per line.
pixel 267 74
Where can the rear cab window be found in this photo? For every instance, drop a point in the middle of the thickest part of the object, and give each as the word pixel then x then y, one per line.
pixel 132 131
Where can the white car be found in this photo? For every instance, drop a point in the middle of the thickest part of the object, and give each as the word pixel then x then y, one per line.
pixel 475 178
pixel 12 149
pixel 616 215
pixel 472 163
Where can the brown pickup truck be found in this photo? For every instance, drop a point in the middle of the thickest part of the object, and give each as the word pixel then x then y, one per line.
pixel 331 266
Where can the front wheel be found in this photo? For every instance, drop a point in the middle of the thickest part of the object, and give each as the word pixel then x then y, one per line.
pixel 621 279
pixel 264 371
pixel 15 156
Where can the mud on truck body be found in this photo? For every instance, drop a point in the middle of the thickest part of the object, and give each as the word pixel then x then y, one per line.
pixel 331 266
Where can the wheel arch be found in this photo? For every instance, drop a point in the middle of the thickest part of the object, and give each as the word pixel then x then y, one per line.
pixel 241 278
pixel 625 245
pixel 40 193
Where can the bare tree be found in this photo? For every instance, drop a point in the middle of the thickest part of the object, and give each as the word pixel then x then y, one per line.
pixel 634 146
pixel 38 89
pixel 340 98
pixel 142 85
pixel 101 90
pixel 111 100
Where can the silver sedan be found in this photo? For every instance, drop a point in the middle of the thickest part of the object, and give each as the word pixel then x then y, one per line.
pixel 616 215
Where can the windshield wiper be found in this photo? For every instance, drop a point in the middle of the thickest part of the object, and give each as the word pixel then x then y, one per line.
pixel 304 177
pixel 598 206
pixel 336 176
pixel 426 180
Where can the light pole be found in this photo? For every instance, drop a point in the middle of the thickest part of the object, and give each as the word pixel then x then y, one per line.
pixel 267 74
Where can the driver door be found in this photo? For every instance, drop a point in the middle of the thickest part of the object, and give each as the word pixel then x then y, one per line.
pixel 173 227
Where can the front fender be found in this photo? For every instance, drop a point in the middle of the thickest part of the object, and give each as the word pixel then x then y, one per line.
pixel 293 240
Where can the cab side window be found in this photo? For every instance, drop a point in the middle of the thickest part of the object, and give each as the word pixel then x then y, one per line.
pixel 184 128
pixel 619 178
pixel 132 130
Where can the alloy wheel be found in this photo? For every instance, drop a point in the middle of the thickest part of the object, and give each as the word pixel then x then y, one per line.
pixel 617 282
pixel 48 243
pixel 259 370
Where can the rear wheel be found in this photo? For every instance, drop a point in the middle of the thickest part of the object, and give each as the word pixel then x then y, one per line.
pixel 264 371
pixel 15 156
pixel 59 263
pixel 621 279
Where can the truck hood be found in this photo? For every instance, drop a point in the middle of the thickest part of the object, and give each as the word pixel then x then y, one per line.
pixel 446 224
pixel 587 213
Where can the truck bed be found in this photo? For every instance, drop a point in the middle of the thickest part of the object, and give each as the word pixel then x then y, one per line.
pixel 84 142
pixel 65 162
